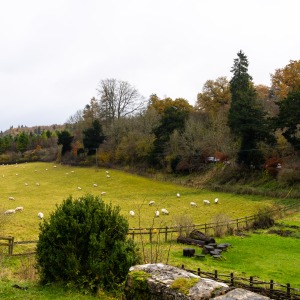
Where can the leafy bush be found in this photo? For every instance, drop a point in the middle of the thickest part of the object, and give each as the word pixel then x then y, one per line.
pixel 84 244
pixel 221 226
pixel 264 219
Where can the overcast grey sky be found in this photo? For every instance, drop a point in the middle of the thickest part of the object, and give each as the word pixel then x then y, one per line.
pixel 55 53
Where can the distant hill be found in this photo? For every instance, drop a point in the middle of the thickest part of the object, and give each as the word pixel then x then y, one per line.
pixel 34 129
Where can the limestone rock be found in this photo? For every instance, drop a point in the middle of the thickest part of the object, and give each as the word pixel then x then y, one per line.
pixel 241 294
pixel 154 281
pixel 158 282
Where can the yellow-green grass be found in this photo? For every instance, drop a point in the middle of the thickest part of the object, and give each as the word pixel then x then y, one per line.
pixel 130 192
pixel 267 256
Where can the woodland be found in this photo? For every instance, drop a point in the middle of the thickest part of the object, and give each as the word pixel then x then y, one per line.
pixel 235 127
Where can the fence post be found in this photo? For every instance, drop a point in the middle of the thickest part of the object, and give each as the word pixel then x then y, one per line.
pixel 205 229
pixel 11 246
pixel 216 274
pixel 288 291
pixel 199 272
pixel 133 235
pixel 150 233
pixel 237 224
pixel 246 222
pixel 166 234
pixel 251 281
pixel 271 287
pixel 182 267
pixel 231 279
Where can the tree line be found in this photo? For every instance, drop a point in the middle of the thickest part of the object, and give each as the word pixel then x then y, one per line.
pixel 232 121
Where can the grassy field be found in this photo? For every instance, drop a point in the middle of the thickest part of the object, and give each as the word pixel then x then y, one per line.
pixel 263 255
pixel 130 192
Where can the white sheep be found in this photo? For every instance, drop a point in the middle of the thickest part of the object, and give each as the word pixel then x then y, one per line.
pixel 107 176
pixel 95 185
pixel 103 193
pixel 206 202
pixel 9 212
pixel 216 201
pixel 178 195
pixel 79 188
pixel 37 184
pixel 131 213
pixel 41 215
pixel 11 198
pixel 193 204
pixel 164 211
pixel 151 203
pixel 19 208
pixel 26 184
pixel 107 172
pixel 157 213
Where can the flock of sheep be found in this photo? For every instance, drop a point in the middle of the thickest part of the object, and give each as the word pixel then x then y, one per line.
pixel 20 209
pixel 163 211
pixel 40 215
pixel 166 212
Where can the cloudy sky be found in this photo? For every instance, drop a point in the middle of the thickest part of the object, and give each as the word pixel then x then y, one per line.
pixel 54 53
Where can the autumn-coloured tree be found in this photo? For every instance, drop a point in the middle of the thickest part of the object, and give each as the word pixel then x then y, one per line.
pixel 160 105
pixel 215 96
pixel 286 79
pixel 265 96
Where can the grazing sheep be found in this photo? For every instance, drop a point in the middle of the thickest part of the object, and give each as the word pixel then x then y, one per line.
pixel 151 203
pixel 178 195
pixel 157 213
pixel 41 215
pixel 103 193
pixel 206 202
pixel 26 184
pixel 37 184
pixel 107 172
pixel 107 176
pixel 164 211
pixel 193 204
pixel 216 201
pixel 19 208
pixel 131 213
pixel 11 198
pixel 95 185
pixel 10 212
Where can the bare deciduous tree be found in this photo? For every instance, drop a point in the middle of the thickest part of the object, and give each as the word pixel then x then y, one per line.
pixel 118 99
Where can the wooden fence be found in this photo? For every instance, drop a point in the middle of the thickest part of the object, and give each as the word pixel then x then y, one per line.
pixel 159 234
pixel 267 288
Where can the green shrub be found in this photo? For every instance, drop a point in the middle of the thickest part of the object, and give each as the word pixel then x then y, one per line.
pixel 264 219
pixel 84 244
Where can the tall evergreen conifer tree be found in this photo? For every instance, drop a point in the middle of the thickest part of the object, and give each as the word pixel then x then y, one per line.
pixel 246 118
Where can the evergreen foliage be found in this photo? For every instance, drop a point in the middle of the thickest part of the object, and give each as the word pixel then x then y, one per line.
pixel 172 118
pixel 288 118
pixel 246 118
pixel 65 139
pixel 83 243
pixel 93 137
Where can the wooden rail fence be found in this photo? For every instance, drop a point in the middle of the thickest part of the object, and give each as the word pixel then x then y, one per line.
pixel 270 288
